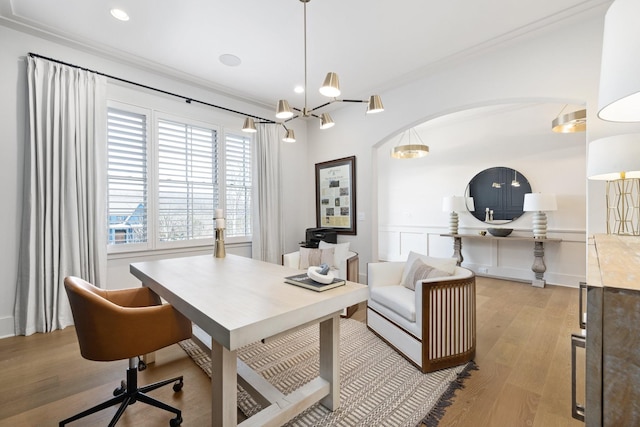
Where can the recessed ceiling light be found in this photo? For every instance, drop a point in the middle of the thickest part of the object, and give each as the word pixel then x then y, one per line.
pixel 230 60
pixel 119 14
pixel 298 89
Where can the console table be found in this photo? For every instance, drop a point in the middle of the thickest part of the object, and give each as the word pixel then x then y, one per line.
pixel 538 266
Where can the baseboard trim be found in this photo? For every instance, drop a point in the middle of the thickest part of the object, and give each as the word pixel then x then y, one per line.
pixel 7 327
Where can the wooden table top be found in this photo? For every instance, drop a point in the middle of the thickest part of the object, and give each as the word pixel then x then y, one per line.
pixel 239 300
pixel 614 261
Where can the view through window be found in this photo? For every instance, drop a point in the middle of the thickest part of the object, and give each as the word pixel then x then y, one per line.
pixel 173 198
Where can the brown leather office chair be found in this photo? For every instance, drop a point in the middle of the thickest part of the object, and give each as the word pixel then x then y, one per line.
pixel 124 324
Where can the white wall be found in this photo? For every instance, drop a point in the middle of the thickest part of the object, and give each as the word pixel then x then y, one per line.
pixel 14 46
pixel 561 64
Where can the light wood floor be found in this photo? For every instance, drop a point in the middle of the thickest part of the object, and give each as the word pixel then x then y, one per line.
pixel 523 354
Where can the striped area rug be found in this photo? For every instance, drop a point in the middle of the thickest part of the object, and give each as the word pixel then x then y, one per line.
pixel 378 386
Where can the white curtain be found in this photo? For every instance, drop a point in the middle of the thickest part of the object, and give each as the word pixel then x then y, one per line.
pixel 267 225
pixel 64 220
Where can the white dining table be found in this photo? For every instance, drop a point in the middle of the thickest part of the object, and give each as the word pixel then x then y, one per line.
pixel 238 301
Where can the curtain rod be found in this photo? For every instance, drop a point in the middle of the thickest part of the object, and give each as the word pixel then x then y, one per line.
pixel 188 100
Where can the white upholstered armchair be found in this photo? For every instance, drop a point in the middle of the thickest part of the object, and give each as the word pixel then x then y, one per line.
pixel 433 326
pixel 345 264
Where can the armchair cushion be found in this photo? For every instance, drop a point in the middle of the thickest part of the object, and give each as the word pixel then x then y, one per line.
pixel 341 251
pixel 419 271
pixel 396 298
pixel 314 257
pixel 444 264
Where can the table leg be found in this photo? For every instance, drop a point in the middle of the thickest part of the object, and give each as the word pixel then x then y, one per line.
pixel 457 250
pixel 330 360
pixel 224 381
pixel 538 266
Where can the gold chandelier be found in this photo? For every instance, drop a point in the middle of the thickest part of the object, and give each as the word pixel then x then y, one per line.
pixel 330 88
pixel 576 121
pixel 410 150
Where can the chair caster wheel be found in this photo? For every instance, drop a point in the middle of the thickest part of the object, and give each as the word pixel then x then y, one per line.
pixel 178 386
pixel 141 365
pixel 123 387
pixel 174 422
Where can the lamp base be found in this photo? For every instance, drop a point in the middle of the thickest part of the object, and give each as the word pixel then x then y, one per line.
pixel 453 223
pixel 539 225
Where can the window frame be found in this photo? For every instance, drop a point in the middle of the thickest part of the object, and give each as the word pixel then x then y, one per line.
pixel 153 115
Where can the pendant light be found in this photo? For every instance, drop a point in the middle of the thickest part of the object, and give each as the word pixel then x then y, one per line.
pixel 575 121
pixel 289 136
pixel 410 150
pixel 249 125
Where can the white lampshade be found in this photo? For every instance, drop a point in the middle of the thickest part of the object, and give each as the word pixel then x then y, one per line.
pixel 454 204
pixel 619 98
pixel 614 157
pixel 538 202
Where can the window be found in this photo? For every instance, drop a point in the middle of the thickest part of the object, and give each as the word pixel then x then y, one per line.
pixel 238 185
pixel 187 181
pixel 165 182
pixel 127 177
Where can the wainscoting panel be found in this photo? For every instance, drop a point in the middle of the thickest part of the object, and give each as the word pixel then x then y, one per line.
pixel 565 261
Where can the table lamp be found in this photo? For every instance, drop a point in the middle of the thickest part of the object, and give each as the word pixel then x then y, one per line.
pixel 539 204
pixel 619 97
pixel 615 159
pixel 453 204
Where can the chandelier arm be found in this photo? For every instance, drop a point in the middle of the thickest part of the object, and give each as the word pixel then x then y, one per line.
pixel 292 118
pixel 323 105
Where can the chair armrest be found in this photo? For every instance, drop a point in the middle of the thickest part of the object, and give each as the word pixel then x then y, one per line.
pixel 459 273
pixel 291 260
pixel 384 273
pixel 133 297
pixel 352 267
pixel 460 277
